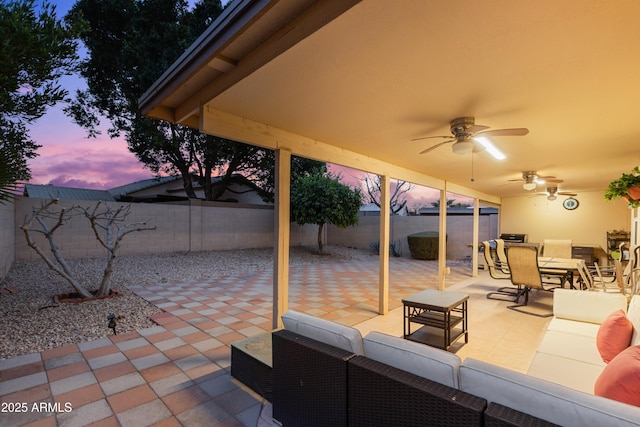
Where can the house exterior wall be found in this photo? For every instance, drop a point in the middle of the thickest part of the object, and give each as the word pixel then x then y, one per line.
pixel 542 219
pixel 460 232
pixel 200 226
pixel 7 238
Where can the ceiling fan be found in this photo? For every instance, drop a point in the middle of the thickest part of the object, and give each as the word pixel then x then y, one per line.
pixel 552 193
pixel 466 134
pixel 531 178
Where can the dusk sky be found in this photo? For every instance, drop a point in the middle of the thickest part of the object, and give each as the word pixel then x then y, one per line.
pixel 68 158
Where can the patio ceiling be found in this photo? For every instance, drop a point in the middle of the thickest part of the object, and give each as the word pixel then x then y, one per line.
pixel 369 76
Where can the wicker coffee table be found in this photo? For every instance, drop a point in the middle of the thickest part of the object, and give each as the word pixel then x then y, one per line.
pixel 443 315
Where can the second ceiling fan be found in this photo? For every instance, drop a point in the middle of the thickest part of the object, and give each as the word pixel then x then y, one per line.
pixel 469 137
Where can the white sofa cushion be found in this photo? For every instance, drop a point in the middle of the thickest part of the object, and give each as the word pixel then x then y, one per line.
pixel 543 399
pixel 633 314
pixel 419 359
pixel 591 307
pixel 571 326
pixel 326 331
pixel 571 346
pixel 575 374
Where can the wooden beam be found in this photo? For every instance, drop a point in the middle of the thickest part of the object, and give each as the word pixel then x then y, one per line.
pixel 225 125
pixel 281 231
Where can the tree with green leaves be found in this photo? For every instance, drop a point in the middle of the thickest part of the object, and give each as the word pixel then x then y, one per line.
pixel 36 50
pixel 320 198
pixel 130 43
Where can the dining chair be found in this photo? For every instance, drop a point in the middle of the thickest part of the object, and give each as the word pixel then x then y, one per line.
pixel 557 248
pixel 525 273
pixel 501 254
pixel 597 279
pixel 605 277
pixel 624 282
pixel 499 270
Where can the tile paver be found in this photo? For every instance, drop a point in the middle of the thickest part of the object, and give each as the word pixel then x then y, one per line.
pixel 177 373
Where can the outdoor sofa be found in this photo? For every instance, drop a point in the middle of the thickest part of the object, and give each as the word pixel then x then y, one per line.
pixel 325 373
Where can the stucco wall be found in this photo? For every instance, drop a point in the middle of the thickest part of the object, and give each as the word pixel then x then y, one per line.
pixel 459 232
pixel 7 238
pixel 199 227
pixel 542 219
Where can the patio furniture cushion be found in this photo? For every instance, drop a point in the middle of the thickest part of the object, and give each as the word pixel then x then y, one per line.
pixel 326 331
pixel 620 380
pixel 591 307
pixel 614 335
pixel 577 374
pixel 633 313
pixel 419 359
pixel 543 399
pixel 577 328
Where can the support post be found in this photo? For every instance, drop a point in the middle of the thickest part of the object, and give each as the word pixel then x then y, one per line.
pixel 442 240
pixel 385 210
pixel 474 243
pixel 281 236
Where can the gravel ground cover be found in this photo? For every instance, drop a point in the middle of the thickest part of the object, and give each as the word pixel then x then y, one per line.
pixel 30 321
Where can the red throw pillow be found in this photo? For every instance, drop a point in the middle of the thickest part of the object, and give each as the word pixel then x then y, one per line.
pixel 620 379
pixel 614 335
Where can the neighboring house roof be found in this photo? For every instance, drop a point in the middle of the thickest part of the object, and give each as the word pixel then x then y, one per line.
pixel 369 207
pixel 458 211
pixel 66 193
pixel 141 185
pixel 170 188
pixel 128 192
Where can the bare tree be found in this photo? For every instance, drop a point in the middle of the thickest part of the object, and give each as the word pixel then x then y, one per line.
pixel 107 224
pixel 398 197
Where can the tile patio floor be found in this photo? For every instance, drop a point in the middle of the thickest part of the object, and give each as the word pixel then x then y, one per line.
pixel 177 373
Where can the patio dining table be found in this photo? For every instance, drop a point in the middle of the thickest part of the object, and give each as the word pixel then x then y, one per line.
pixel 552 264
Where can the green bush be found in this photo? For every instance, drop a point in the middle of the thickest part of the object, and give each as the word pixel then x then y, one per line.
pixel 424 245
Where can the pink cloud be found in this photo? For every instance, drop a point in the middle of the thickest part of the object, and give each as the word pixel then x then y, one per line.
pixel 68 158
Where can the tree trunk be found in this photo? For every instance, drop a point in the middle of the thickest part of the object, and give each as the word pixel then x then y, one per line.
pixel 187 182
pixel 320 227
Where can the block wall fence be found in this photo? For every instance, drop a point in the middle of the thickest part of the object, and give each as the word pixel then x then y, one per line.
pixel 7 238
pixel 195 226
pixel 206 226
pixel 459 232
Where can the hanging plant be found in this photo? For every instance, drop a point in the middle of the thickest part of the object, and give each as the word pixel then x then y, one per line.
pixel 626 187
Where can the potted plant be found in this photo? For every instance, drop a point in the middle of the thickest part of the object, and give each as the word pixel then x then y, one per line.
pixel 626 187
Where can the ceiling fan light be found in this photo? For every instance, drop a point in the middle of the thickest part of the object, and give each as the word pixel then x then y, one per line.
pixel 529 186
pixel 462 147
pixel 552 197
pixel 491 149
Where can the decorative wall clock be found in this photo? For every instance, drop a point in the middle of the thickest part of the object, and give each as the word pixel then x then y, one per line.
pixel 570 203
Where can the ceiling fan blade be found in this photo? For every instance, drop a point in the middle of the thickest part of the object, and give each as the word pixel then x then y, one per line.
pixel 476 128
pixel 433 147
pixel 562 193
pixel 557 181
pixel 504 132
pixel 431 137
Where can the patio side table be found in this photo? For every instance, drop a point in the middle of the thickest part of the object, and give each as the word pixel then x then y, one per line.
pixel 443 315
